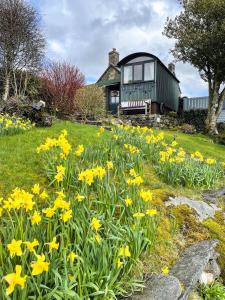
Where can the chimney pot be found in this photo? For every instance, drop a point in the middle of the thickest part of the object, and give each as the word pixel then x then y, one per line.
pixel 171 67
pixel 114 57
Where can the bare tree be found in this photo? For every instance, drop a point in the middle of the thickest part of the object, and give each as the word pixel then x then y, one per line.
pixel 21 44
pixel 60 82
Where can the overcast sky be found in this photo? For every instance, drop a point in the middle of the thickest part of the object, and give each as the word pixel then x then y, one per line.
pixel 83 32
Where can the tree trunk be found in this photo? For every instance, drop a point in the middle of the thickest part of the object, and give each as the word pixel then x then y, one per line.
pixel 6 87
pixel 215 107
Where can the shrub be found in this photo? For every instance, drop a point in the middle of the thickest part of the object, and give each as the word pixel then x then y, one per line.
pixel 187 128
pixel 89 102
pixel 195 117
pixel 60 82
pixel 214 291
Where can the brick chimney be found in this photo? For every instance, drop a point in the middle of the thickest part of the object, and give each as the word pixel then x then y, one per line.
pixel 114 57
pixel 171 67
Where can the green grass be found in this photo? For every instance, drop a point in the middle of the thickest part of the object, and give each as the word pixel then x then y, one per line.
pixel 198 142
pixel 21 166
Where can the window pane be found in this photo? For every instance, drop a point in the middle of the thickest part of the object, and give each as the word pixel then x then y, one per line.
pixel 127 74
pixel 137 72
pixel 149 71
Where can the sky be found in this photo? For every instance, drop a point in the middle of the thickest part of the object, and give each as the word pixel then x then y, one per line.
pixel 82 32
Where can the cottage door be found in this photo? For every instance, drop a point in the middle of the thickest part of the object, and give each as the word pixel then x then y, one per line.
pixel 114 99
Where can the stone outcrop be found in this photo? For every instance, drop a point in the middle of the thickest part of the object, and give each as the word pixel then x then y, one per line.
pixel 203 210
pixel 196 265
pixel 159 287
pixel 193 264
pixel 212 196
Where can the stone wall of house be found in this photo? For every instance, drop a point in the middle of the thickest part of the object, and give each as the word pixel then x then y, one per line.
pixel 111 74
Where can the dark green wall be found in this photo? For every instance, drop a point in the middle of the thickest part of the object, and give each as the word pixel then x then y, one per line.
pixel 137 91
pixel 167 88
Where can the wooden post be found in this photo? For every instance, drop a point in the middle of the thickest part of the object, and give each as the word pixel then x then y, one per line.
pixel 118 111
pixel 146 108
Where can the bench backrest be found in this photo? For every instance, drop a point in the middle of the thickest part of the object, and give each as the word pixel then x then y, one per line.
pixel 130 104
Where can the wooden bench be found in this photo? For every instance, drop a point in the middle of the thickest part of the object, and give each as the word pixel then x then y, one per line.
pixel 135 105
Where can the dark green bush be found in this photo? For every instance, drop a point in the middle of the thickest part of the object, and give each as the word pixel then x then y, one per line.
pixel 195 117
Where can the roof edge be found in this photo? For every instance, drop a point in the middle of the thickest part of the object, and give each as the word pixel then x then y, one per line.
pixel 137 54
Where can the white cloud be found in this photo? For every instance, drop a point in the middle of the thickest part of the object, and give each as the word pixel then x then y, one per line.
pixel 83 32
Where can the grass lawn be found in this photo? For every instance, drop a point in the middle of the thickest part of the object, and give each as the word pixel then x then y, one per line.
pixel 20 165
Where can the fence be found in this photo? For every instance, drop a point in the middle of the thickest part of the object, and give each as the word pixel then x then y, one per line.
pixel 201 103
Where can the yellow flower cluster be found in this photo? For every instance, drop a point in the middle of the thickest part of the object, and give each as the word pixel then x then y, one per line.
pixel 60 173
pixel 62 143
pixel 153 139
pixel 131 149
pixel 172 155
pixel 79 150
pixel 89 175
pixel 19 199
pixel 135 178
pixel 12 123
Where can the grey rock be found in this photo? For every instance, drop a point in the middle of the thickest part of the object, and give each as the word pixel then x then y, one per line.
pixel 192 264
pixel 159 287
pixel 203 210
pixel 212 196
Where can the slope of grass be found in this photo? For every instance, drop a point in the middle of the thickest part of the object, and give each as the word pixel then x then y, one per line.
pixel 20 165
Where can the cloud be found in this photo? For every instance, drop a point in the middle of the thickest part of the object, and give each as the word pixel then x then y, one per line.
pixel 83 32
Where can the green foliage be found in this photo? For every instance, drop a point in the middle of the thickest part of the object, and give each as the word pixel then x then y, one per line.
pixel 195 117
pixel 199 30
pixel 90 102
pixel 214 291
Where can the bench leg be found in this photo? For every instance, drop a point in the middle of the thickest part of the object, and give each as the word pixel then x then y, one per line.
pixel 118 111
pixel 146 109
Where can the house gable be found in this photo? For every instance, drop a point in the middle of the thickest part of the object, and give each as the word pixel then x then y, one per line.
pixel 110 76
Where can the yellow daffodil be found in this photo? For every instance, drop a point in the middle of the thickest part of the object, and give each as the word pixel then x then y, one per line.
pixel 165 270
pixel 95 224
pixel 132 173
pixel 124 252
pixel 14 279
pixel 53 245
pixel 49 212
pixel 210 161
pixel 119 263
pixel 109 165
pixel 79 150
pixel 44 195
pixel 36 189
pixel 60 173
pixel 138 215
pixel 36 218
pixel 72 256
pixel 146 195
pixel 128 201
pixel 98 238
pixel 39 266
pixel 31 245
pixel 15 248
pixel 79 198
pixel 67 215
pixel 151 212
